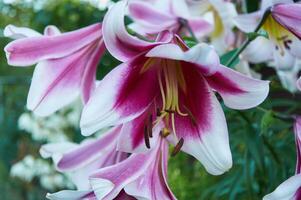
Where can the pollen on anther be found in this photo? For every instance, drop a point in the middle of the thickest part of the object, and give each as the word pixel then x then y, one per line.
pixel 146 137
pixel 177 147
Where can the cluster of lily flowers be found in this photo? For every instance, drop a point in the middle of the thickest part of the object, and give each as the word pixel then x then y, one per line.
pixel 162 93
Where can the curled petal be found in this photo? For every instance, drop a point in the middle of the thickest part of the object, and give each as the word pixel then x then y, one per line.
pixel 118 41
pixel 202 55
pixel 108 182
pixel 28 51
pixel 237 90
pixel 120 97
pixel 289 189
pixel 15 32
pixel 51 30
pixel 72 195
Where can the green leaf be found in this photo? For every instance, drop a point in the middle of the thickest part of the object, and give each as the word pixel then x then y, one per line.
pixel 266 121
pixel 190 42
pixel 227 56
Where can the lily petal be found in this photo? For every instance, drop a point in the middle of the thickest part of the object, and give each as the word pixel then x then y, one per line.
pixel 237 90
pixel 132 136
pixel 88 83
pixel 28 51
pixel 205 132
pixel 80 161
pixel 259 50
pixel 289 189
pixel 56 82
pixel 202 55
pixel 152 185
pixel 51 30
pixel 120 97
pixel 151 18
pixel 108 182
pixel 118 41
pixel 289 16
pixel 72 195
pixel 15 32
pixel 248 22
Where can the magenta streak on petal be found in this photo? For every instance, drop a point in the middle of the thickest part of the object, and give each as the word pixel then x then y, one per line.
pixel 138 89
pixel 89 76
pixel 298 194
pixel 197 99
pixel 124 196
pixel 222 84
pixel 73 66
pixel 29 51
pixel 82 154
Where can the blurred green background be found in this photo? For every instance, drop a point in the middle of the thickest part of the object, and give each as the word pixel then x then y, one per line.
pixel 263 147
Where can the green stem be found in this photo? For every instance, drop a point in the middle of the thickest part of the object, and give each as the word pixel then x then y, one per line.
pixel 251 37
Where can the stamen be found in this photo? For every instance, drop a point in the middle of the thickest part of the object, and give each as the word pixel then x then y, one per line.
pixel 147 65
pixel 164 132
pixel 169 111
pixel 146 137
pixel 287 44
pixel 173 124
pixel 177 147
pixel 158 113
pixel 192 117
pixel 150 125
pixel 161 89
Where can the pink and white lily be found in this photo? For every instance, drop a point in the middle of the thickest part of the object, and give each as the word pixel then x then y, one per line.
pixel 66 64
pixel 282 25
pixel 79 161
pixel 173 85
pixel 291 188
pixel 142 176
pixel 221 13
pixel 155 17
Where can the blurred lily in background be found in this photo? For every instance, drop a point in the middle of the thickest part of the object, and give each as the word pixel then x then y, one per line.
pixel 158 16
pixel 221 14
pixel 66 68
pixel 282 48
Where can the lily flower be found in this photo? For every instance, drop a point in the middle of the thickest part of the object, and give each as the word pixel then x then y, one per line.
pixel 153 18
pixel 66 64
pixel 284 45
pixel 80 160
pixel 221 14
pixel 142 176
pixel 173 85
pixel 291 188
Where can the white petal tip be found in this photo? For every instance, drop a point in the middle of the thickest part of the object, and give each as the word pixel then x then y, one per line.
pixel 101 187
